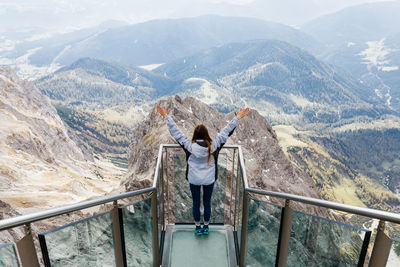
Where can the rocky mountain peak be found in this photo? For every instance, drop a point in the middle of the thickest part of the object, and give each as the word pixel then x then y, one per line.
pixel 266 165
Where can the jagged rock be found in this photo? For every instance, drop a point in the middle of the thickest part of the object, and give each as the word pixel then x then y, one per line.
pixel 266 165
pixel 36 153
pixel 7 211
pixel 7 236
pixel 32 122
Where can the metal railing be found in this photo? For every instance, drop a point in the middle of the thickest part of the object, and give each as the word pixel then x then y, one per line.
pixel 242 196
pixel 382 243
pixel 26 247
pixel 178 210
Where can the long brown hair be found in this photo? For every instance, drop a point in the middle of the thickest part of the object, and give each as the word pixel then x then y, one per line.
pixel 201 133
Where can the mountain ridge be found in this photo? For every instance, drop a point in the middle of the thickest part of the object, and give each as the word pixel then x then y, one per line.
pixel 153 42
pixel 365 41
pixel 296 84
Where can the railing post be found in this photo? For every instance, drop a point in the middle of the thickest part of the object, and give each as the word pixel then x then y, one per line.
pixel 284 235
pixel 245 222
pixel 155 229
pixel 380 252
pixel 120 258
pixel 26 249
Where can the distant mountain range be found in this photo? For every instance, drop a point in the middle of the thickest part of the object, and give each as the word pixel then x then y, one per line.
pixel 152 42
pixel 285 83
pixel 336 82
pixel 364 40
pixel 361 23
pixel 100 83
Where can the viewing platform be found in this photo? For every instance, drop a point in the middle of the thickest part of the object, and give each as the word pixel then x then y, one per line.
pixel 154 226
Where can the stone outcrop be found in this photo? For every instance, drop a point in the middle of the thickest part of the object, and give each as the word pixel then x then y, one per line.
pixel 32 122
pixel 267 166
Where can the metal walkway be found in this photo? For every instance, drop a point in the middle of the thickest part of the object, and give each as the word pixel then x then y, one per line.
pixel 183 248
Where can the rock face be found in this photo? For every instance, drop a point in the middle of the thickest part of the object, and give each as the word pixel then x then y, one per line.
pixel 41 131
pixel 266 165
pixel 41 166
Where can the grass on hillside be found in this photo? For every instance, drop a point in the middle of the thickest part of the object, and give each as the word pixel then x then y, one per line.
pixel 109 139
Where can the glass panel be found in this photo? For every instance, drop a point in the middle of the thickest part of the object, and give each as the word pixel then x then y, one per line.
pixel 86 242
pixel 315 241
pixel 262 233
pixel 160 203
pixel 183 197
pixel 230 188
pixel 239 204
pixel 394 255
pixel 138 233
pixel 8 256
pixel 219 195
pixel 188 251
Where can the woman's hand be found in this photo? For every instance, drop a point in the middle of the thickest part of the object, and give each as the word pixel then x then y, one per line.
pixel 162 111
pixel 242 113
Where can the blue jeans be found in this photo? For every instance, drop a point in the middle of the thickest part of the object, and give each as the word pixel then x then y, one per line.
pixel 207 193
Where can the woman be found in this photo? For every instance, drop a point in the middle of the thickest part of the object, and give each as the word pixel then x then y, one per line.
pixel 201 156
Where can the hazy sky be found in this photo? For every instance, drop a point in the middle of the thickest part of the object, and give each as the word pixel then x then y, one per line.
pixel 63 14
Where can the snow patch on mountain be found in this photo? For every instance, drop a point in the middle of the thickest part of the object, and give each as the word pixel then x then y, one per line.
pixel 25 69
pixel 207 92
pixel 376 56
pixel 151 67
pixel 301 101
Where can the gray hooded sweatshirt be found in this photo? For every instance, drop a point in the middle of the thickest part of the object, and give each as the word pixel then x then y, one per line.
pixel 198 172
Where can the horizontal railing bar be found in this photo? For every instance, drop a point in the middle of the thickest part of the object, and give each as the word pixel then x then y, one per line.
pixel 178 146
pixel 171 145
pixel 372 213
pixel 41 215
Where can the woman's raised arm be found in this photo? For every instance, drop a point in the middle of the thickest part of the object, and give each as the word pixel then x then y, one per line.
pixel 242 113
pixel 176 133
pixel 224 134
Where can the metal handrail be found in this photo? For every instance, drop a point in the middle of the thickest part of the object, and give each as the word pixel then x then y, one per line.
pixel 29 218
pixel 41 215
pixel 368 212
pixel 46 214
pixel 372 213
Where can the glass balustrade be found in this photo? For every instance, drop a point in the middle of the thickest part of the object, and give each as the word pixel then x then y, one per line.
pixel 137 233
pixel 8 256
pixel 86 242
pixel 160 205
pixel 239 205
pixel 262 233
pixel 394 258
pixel 316 241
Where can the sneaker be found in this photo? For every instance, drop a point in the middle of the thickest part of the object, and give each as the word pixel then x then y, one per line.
pixel 205 230
pixel 198 230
